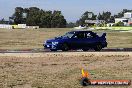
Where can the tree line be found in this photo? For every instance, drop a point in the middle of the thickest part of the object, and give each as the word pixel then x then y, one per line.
pixel 106 16
pixel 34 16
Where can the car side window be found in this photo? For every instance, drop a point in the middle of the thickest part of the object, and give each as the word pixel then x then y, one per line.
pixel 80 35
pixel 89 35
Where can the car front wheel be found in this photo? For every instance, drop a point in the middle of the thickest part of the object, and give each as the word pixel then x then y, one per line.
pixel 65 47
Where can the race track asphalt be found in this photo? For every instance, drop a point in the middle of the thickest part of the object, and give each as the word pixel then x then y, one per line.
pixel 44 50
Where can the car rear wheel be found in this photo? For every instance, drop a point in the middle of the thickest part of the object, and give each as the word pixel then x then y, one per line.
pixel 65 47
pixel 98 47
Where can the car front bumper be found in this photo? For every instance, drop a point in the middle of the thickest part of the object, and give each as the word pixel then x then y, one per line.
pixel 51 46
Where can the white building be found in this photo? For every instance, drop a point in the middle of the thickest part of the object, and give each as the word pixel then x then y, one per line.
pixel 128 15
pixel 121 20
pixel 127 19
pixel 94 21
pixel 124 20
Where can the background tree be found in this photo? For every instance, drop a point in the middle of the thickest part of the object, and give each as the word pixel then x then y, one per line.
pixel 2 21
pixel 70 25
pixel 104 16
pixel 119 24
pixel 100 17
pixel 112 19
pixel 58 20
pixel 33 17
pixel 38 17
pixel 85 16
pixel 121 14
pixel 18 19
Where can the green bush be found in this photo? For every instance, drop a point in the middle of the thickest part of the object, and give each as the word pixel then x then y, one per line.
pixel 119 24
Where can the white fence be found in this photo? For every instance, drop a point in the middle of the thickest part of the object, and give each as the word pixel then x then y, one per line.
pixel 22 26
pixel 19 26
pixel 5 26
pixel 32 27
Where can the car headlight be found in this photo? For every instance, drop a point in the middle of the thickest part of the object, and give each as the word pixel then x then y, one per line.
pixel 54 43
pixel 44 42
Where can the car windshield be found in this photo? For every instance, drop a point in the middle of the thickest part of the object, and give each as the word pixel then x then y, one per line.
pixel 69 34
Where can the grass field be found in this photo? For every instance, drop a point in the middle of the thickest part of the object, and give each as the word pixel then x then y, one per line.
pixel 115 28
pixel 28 39
pixel 62 70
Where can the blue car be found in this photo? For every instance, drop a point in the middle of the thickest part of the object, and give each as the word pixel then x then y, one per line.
pixel 74 40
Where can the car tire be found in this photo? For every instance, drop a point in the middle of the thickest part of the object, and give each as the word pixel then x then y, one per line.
pixel 98 47
pixel 65 47
pixel 85 49
pixel 53 49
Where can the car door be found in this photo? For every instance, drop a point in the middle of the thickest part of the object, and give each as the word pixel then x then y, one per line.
pixel 91 39
pixel 78 40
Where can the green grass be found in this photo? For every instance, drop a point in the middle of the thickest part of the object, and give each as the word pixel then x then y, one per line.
pixel 34 38
pixel 115 28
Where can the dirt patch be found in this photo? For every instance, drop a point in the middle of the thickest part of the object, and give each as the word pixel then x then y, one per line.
pixel 62 70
